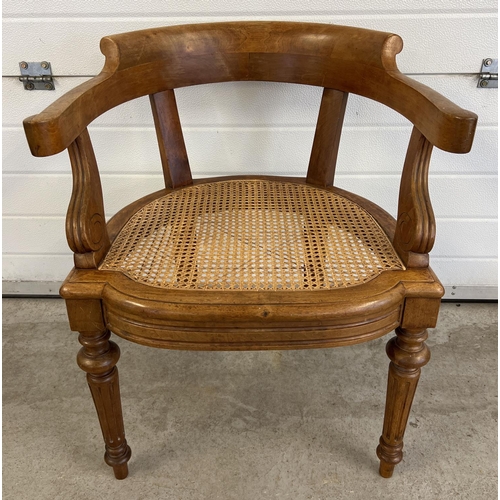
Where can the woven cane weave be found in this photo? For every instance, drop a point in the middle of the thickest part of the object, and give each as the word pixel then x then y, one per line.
pixel 251 235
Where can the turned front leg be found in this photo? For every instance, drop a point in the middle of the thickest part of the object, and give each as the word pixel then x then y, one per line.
pixel 98 358
pixel 408 353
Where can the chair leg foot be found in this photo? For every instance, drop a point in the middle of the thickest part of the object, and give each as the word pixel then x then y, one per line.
pixel 386 470
pixel 389 455
pixel 408 353
pixel 121 471
pixel 98 358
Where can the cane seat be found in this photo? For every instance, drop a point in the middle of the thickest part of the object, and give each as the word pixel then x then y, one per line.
pixel 251 235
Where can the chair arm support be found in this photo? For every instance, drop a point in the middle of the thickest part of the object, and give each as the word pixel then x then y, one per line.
pixel 86 229
pixel 415 226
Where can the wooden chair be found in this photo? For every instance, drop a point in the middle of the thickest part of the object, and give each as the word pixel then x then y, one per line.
pixel 251 262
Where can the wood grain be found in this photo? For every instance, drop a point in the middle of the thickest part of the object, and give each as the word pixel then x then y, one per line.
pixel 408 353
pixel 325 148
pixel 86 229
pixel 98 358
pixel 342 60
pixel 416 226
pixel 173 153
pixel 338 57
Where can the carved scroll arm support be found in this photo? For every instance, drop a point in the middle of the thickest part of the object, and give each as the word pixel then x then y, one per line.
pixel 416 226
pixel 86 230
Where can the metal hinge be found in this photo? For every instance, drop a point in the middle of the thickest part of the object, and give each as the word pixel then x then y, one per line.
pixel 36 75
pixel 488 78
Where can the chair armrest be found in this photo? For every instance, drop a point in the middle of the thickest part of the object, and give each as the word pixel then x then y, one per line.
pixel 446 125
pixel 57 126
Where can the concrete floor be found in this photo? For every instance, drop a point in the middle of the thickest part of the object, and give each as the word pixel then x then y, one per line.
pixel 248 426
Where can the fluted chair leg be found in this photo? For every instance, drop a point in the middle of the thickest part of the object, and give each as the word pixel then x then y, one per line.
pixel 408 353
pixel 98 358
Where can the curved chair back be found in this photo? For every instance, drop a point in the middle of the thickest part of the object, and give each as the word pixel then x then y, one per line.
pixel 336 57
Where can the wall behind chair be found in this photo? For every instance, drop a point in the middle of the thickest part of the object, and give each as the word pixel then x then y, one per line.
pixel 250 127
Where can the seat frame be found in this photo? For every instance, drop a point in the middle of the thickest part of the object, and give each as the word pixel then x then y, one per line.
pixel 340 59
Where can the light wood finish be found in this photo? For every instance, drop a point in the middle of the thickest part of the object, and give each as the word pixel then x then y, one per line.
pixel 416 227
pixel 342 60
pixel 98 358
pixel 86 230
pixel 408 353
pixel 325 148
pixel 173 153
pixel 245 320
pixel 348 59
